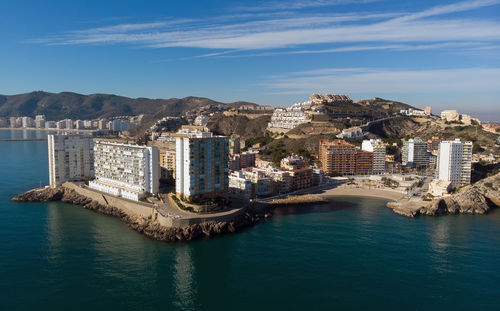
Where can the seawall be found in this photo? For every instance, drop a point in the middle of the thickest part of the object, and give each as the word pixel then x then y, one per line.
pixel 143 217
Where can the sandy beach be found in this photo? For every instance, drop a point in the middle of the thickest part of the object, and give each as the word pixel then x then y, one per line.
pixel 363 192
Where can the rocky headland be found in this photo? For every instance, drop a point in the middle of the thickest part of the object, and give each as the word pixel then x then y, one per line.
pixel 148 225
pixel 478 198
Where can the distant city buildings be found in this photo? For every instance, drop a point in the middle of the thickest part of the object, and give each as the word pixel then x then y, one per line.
pixel 201 164
pixel 128 171
pixel 71 158
pixel 454 162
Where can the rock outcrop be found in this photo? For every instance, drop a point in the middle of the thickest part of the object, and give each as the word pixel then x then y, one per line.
pixel 147 226
pixel 479 198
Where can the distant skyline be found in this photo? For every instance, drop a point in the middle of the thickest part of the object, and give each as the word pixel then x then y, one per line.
pixel 446 54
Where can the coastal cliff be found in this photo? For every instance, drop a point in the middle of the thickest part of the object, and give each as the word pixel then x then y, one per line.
pixel 148 226
pixel 479 198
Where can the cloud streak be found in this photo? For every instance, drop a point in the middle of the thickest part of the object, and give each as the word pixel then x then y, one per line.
pixel 376 81
pixel 226 34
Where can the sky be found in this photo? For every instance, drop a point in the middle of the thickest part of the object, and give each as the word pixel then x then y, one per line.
pixel 445 54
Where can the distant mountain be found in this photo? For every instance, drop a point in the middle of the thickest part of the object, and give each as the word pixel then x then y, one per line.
pixel 56 106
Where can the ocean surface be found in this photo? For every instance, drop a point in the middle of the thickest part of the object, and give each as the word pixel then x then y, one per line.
pixel 353 253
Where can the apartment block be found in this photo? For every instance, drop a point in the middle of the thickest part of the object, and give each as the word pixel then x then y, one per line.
pixel 337 156
pixel 301 178
pixel 167 164
pixel 364 162
pixel 454 162
pixel 128 171
pixel 71 158
pixel 415 153
pixel 201 164
pixel 28 122
pixel 379 151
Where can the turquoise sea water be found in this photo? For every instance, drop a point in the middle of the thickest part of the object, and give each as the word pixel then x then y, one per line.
pixel 351 254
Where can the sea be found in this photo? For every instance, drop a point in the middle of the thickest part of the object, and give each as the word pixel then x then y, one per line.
pixel 349 254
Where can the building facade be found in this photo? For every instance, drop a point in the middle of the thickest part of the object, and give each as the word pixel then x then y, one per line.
pixel 201 164
pixel 167 164
pixel 363 162
pixel 454 162
pixel 415 153
pixel 71 158
pixel 379 151
pixel 128 171
pixel 240 186
pixel 337 156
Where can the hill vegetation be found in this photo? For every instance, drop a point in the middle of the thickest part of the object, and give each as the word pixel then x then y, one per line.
pixel 57 106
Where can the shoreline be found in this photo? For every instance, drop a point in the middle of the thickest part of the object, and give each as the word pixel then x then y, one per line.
pixel 47 130
pixel 322 195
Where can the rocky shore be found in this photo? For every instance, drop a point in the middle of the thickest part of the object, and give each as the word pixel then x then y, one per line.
pixel 479 198
pixel 149 226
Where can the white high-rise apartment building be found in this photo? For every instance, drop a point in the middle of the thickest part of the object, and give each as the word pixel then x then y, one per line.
pixel 71 158
pixel 201 164
pixel 378 148
pixel 129 171
pixel 454 162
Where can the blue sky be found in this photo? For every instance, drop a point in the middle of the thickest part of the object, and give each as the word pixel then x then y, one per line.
pixel 440 53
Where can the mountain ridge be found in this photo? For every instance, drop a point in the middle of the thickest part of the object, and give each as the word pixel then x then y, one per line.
pixel 57 106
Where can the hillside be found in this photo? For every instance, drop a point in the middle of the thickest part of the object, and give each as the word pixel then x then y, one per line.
pixel 239 125
pixel 56 106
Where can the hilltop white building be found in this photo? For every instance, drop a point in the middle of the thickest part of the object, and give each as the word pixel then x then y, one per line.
pixel 71 158
pixel 291 117
pixel 128 171
pixel 454 162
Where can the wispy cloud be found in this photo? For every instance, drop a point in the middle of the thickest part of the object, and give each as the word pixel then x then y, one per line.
pixel 296 5
pixel 376 81
pixel 360 31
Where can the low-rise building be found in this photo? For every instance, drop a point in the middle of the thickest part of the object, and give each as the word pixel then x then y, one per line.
pixel 450 115
pixel 239 185
pixel 292 162
pixel 439 188
pixel 353 132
